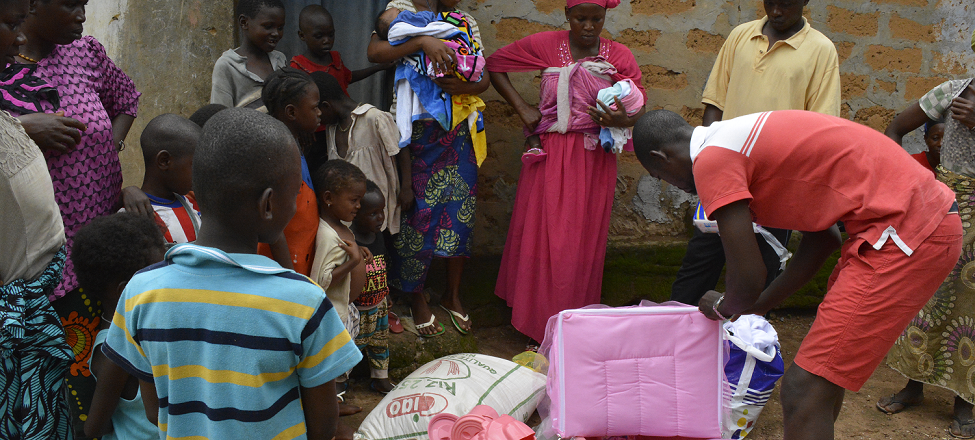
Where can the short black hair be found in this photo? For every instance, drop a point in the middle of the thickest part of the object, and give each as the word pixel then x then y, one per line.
pixel 931 123
pixel 284 86
pixel 328 87
pixel 250 8
pixel 336 175
pixel 311 11
pixel 169 132
pixel 372 187
pixel 655 129
pixel 206 112
pixel 111 249
pixel 241 153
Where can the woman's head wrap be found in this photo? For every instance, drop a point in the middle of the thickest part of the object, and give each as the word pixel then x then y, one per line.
pixel 608 4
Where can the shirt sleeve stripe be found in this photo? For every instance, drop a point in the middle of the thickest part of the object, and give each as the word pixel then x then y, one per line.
pixel 327 350
pixel 119 321
pixel 216 297
pixel 113 356
pixel 218 376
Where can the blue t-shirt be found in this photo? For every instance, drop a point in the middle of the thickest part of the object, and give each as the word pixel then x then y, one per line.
pixel 228 339
pixel 129 420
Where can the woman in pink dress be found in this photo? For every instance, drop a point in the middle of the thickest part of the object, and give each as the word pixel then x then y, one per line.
pixel 553 258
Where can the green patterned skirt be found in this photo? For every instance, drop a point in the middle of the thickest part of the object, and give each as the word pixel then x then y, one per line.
pixel 938 347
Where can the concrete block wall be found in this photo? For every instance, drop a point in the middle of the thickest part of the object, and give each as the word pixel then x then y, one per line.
pixel 891 52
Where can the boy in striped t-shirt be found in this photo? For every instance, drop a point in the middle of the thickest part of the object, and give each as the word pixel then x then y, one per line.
pixel 225 343
pixel 168 143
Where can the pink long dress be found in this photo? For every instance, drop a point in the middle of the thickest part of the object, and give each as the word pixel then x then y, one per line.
pixel 556 246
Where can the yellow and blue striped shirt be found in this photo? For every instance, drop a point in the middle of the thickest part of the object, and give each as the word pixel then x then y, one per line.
pixel 228 339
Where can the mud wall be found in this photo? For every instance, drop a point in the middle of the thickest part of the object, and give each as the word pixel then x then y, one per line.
pixel 892 51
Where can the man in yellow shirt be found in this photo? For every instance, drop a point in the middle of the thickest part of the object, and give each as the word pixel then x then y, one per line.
pixel 775 63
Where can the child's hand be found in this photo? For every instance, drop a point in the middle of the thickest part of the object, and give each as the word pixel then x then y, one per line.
pixel 366 254
pixel 352 249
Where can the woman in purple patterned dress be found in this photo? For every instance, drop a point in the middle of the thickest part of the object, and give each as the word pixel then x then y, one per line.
pixel 88 176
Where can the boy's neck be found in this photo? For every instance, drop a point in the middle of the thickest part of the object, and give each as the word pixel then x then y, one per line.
pixel 216 234
pixel 321 61
pixel 153 187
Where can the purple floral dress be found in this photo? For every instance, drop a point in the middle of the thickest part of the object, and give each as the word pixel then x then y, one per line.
pixel 88 180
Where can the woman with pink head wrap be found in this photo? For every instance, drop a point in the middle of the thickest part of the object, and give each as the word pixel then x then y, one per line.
pixel 553 258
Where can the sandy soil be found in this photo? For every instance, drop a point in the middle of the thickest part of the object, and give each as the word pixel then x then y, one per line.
pixel 859 419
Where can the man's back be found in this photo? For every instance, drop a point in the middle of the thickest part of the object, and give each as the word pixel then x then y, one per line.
pixel 228 339
pixel 805 171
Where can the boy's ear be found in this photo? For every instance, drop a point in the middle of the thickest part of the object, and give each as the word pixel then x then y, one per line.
pixel 301 35
pixel 242 21
pixel 264 204
pixel 660 155
pixel 164 160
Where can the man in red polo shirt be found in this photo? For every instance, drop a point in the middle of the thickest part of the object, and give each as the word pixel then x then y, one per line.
pixel 805 171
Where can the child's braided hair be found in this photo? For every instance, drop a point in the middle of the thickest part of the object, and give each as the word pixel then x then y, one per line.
pixel 284 86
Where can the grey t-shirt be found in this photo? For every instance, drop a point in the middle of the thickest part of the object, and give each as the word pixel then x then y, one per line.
pixel 233 84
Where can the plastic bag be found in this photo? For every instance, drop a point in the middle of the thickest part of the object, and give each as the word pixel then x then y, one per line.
pixel 754 365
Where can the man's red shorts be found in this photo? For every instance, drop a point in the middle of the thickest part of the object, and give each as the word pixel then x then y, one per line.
pixel 871 298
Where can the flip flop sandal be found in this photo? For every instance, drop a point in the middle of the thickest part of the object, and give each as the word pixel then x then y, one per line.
pixel 889 407
pixel 957 424
pixel 533 155
pixel 430 324
pixel 374 387
pixel 395 326
pixel 454 316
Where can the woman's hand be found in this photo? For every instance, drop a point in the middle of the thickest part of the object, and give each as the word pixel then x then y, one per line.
pixel 53 132
pixel 530 116
pixel 134 200
pixel 607 117
pixel 406 197
pixel 456 86
pixel 533 141
pixel 964 111
pixel 442 58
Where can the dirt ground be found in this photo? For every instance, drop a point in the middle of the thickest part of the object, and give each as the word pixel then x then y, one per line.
pixel 859 419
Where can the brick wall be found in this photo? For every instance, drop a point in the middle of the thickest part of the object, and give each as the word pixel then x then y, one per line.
pixel 891 53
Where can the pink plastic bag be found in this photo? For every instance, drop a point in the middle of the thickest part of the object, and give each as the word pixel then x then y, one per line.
pixel 651 370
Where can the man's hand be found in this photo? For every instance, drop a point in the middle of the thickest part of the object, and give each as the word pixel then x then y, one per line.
pixel 53 132
pixel 706 304
pixel 405 198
